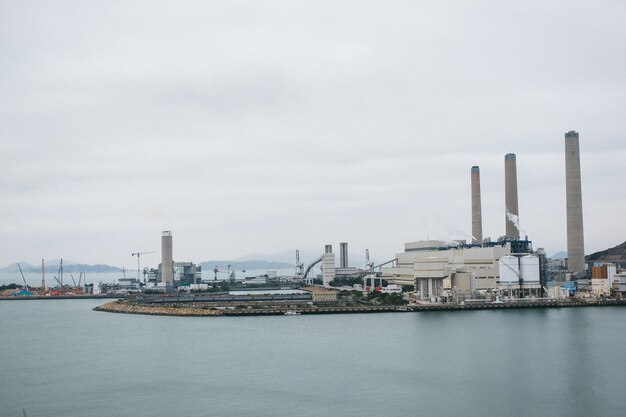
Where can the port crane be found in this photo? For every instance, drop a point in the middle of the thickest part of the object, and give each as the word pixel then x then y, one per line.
pixel 231 273
pixel 299 266
pixel 138 255
pixel 23 279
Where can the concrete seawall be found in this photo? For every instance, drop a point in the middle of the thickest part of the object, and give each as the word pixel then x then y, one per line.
pixel 204 310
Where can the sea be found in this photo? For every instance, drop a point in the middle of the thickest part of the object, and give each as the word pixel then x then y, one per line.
pixel 61 358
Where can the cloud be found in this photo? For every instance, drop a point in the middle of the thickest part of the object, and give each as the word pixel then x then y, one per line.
pixel 255 127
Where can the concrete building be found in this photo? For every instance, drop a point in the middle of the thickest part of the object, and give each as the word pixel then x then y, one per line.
pixel 167 263
pixel 186 273
pixel 602 278
pixel 436 267
pixel 321 294
pixel 619 284
pixel 574 203
pixel 510 196
pixel 477 219
pixel 328 266
pixel 129 284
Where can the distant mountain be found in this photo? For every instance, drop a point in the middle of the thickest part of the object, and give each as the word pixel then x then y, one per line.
pixel 245 265
pixel 559 255
pixel 53 266
pixel 309 255
pixel 614 254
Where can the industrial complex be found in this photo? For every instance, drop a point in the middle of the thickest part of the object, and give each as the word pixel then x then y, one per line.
pixel 484 270
pixel 506 269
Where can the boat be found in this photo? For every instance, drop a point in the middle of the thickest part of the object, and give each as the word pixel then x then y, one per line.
pixel 292 313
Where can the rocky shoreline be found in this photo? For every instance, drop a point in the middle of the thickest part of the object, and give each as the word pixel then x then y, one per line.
pixel 203 310
pixel 125 308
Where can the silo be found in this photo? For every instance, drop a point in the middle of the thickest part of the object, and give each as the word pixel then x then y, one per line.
pixel 167 263
pixel 509 270
pixel 477 219
pixel 529 269
pixel 574 203
pixel 510 196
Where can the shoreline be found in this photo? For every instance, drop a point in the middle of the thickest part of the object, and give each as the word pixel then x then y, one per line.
pixel 123 307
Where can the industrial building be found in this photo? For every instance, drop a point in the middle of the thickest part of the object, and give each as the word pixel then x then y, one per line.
pixel 440 269
pixel 328 266
pixel 321 294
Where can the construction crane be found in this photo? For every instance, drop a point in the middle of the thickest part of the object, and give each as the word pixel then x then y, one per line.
pixel 230 272
pixel 24 279
pixel 138 255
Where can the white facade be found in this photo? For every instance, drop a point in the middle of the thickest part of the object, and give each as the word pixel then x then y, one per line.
pixel 619 282
pixel 391 289
pixel 600 286
pixel 516 268
pixel 509 270
pixel 437 266
pixel 328 268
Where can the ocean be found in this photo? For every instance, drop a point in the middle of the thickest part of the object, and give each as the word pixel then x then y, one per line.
pixel 60 358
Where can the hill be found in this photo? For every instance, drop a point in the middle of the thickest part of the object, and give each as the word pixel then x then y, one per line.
pixel 245 265
pixel 614 254
pixel 54 266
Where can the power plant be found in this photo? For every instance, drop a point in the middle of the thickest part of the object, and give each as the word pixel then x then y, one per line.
pixel 574 203
pixel 436 269
pixel 477 217
pixel 510 196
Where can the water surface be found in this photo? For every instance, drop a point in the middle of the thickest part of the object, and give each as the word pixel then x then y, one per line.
pixel 60 358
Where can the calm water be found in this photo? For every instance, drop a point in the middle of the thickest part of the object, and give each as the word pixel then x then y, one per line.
pixel 59 358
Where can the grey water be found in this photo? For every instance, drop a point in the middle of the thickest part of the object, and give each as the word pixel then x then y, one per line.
pixel 60 358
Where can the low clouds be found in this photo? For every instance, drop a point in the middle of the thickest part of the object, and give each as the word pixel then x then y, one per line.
pixel 262 126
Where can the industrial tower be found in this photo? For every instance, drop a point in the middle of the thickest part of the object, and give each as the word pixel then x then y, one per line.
pixel 510 196
pixel 574 202
pixel 477 218
pixel 167 263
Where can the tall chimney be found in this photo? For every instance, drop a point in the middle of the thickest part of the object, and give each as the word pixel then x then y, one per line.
pixel 477 217
pixel 167 267
pixel 343 255
pixel 574 202
pixel 510 196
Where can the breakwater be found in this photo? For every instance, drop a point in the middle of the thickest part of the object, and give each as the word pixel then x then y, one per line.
pixel 200 309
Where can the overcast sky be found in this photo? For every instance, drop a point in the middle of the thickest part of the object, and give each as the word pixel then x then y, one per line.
pixel 262 126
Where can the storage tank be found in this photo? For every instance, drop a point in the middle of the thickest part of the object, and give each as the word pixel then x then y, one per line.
pixel 509 270
pixel 529 269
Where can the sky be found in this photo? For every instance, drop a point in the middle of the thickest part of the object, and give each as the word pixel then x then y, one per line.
pixel 259 127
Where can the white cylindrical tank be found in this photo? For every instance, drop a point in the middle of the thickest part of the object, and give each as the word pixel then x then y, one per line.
pixel 509 270
pixel 529 269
